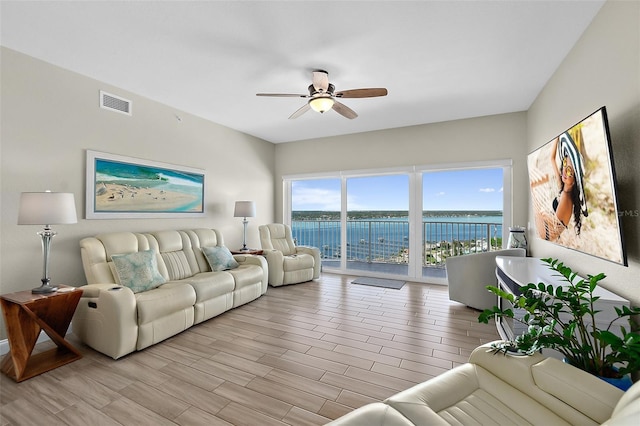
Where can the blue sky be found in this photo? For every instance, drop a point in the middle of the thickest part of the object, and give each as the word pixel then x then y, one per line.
pixel 479 189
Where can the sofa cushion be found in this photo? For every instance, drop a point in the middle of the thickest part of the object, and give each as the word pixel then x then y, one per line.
pixel 246 275
pixel 209 285
pixel 122 242
pixel 138 271
pixel 164 301
pixel 219 258
pixel 297 262
pixel 177 265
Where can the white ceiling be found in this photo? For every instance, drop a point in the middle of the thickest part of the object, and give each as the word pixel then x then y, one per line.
pixel 440 60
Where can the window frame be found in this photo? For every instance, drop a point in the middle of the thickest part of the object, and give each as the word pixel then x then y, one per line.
pixel 415 174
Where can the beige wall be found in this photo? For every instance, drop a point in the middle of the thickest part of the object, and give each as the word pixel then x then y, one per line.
pixel 603 68
pixel 51 116
pixel 495 137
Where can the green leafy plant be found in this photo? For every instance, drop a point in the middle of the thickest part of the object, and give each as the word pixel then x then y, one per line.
pixel 563 318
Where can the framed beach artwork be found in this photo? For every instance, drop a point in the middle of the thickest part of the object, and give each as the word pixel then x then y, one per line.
pixel 120 187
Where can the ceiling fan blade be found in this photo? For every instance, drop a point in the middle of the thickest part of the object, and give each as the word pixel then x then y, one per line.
pixel 321 80
pixel 344 110
pixel 282 95
pixel 300 111
pixel 362 93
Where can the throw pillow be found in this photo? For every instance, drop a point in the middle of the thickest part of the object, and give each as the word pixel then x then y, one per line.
pixel 219 258
pixel 138 271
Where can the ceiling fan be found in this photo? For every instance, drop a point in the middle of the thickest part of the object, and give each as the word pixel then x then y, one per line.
pixel 322 96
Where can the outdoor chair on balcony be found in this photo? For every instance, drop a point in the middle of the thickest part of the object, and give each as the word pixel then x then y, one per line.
pixel 470 274
pixel 288 263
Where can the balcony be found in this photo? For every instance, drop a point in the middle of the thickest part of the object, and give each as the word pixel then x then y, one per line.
pixel 383 245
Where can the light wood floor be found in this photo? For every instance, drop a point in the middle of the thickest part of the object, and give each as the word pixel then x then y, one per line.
pixel 299 355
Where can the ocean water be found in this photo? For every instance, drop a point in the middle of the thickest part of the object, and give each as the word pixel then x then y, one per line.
pixel 107 170
pixel 389 237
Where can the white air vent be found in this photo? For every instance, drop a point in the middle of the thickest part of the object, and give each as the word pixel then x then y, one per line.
pixel 115 103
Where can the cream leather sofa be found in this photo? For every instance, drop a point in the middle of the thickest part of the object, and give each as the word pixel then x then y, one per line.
pixel 494 389
pixel 114 320
pixel 288 263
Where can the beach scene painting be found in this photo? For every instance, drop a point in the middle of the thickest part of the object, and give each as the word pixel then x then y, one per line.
pixel 124 187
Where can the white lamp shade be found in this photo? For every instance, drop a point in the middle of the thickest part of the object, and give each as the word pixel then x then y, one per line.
pixel 245 209
pixel 47 208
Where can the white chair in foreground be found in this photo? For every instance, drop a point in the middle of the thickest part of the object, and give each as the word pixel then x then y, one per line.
pixel 470 274
pixel 288 263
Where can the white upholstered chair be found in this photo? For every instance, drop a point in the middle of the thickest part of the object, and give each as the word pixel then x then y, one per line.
pixel 288 263
pixel 470 274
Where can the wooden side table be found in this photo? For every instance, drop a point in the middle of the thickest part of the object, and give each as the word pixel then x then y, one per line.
pixel 25 315
pixel 257 252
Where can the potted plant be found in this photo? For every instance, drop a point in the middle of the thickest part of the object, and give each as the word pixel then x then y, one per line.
pixel 563 318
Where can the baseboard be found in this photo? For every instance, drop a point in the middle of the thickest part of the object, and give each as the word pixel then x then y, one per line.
pixel 43 337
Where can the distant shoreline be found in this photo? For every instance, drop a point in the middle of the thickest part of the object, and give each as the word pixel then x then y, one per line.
pixel 382 214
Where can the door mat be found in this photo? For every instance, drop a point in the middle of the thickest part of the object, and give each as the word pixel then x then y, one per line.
pixel 379 282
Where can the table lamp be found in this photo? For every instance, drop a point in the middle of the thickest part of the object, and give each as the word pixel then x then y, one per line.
pixel 46 208
pixel 245 209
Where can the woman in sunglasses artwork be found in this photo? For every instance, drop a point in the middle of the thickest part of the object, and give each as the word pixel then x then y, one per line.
pixel 572 189
pixel 569 204
pixel 570 174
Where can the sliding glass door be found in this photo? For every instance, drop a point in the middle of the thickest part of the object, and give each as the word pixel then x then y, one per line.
pixel 400 223
pixel 315 217
pixel 378 224
pixel 462 213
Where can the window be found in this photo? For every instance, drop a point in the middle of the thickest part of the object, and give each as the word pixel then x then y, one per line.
pixel 315 216
pixel 400 222
pixel 461 213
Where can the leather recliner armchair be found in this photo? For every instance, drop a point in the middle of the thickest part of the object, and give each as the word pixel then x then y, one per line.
pixel 288 263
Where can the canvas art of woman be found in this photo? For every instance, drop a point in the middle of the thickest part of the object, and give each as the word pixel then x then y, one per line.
pixel 571 190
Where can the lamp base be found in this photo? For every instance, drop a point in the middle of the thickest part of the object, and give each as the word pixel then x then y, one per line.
pixel 45 288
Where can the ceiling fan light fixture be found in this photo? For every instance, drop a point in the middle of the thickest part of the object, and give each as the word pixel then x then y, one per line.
pixel 323 97
pixel 321 104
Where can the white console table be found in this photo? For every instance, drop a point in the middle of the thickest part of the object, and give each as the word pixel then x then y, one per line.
pixel 514 272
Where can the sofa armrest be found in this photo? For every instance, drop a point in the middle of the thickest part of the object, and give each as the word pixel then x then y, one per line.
pixel 509 368
pixel 583 391
pixel 315 252
pixel 275 259
pixel 552 383
pixel 106 319
pixel 93 290
pixel 249 259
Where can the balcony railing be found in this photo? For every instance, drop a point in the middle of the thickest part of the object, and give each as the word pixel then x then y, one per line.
pixel 387 241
